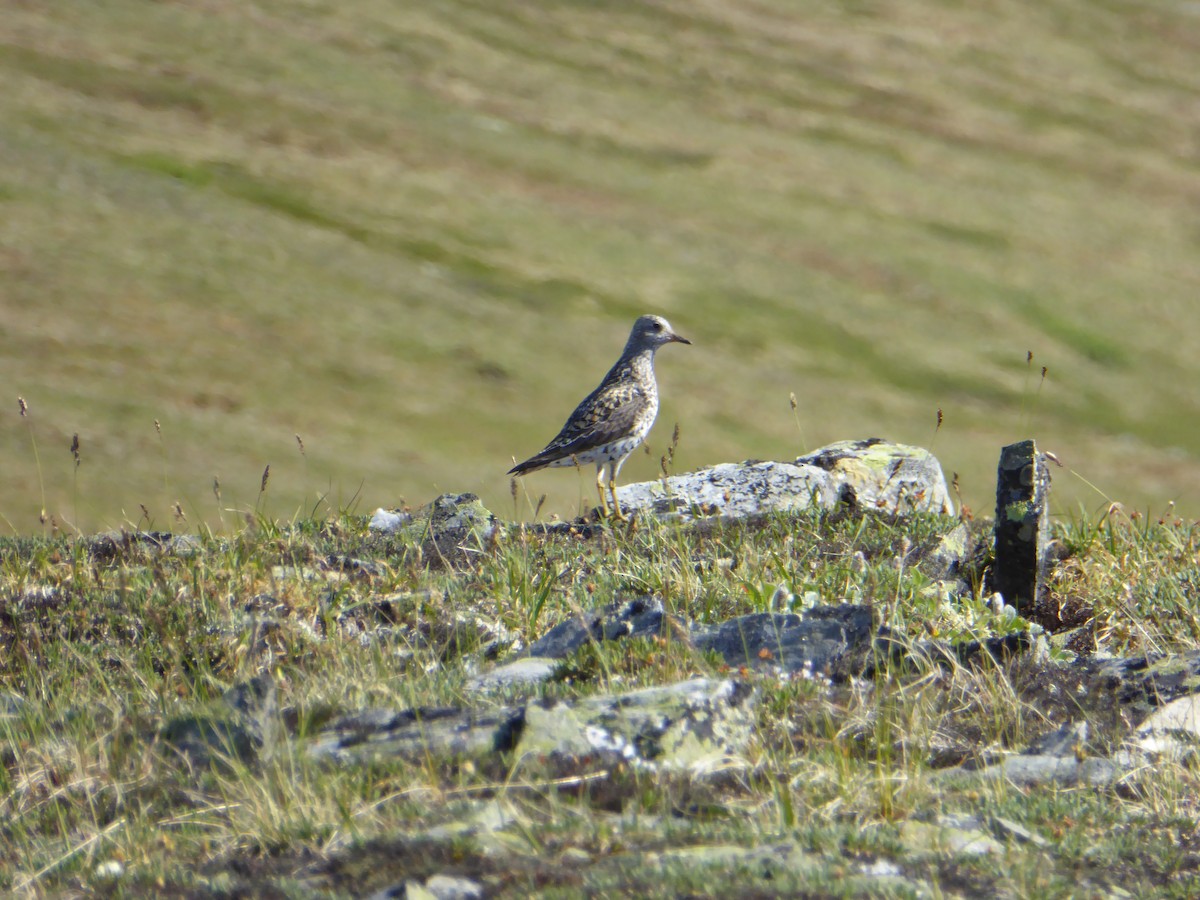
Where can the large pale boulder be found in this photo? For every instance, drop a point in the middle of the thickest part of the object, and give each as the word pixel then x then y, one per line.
pixel 870 474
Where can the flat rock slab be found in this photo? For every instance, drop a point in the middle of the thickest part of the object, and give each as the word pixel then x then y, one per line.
pixel 1035 770
pixel 768 862
pixel 950 835
pixel 867 474
pixel 410 734
pixel 692 725
pixel 813 641
pixel 639 617
pixel 523 672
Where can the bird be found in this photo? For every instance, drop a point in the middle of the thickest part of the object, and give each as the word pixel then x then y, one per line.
pixel 613 420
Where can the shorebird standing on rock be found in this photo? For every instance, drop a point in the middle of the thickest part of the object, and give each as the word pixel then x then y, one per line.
pixel 615 418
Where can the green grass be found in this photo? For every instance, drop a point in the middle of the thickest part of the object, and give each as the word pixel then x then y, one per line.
pixel 416 237
pixel 105 650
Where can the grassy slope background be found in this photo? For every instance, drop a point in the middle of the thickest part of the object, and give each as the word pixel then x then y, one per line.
pixel 416 235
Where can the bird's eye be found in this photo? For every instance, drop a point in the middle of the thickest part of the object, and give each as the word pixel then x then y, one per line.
pixel 657 326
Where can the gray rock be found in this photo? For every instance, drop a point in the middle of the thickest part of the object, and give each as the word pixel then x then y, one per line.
pixel 1142 684
pixel 387 521
pixel 1021 834
pixel 870 474
pixel 947 557
pixel 1172 731
pixel 242 727
pixel 881 476
pixel 12 705
pixel 814 640
pixel 731 489
pixel 640 617
pixel 447 887
pixel 766 862
pixel 412 734
pixel 1022 525
pixel 1030 770
pixel 447 529
pixel 691 726
pixel 949 834
pixel 529 670
pixel 1066 741
pixel 1034 770
pixel 111 544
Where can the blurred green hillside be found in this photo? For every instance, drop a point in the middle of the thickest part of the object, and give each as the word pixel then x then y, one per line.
pixel 416 235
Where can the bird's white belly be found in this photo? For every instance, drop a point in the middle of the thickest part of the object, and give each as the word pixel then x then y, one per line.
pixel 605 453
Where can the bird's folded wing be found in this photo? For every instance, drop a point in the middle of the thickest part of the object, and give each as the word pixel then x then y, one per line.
pixel 607 415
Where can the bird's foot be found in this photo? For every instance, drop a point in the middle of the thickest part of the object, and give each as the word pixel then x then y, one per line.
pixel 617 514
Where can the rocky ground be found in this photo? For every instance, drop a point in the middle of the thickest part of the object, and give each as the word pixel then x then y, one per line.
pixel 750 686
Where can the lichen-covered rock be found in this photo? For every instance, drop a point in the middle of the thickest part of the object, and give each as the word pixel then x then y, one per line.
pixel 1142 684
pixel 445 530
pixel 944 560
pixel 411 734
pixel 870 474
pixel 1022 525
pixel 686 726
pixel 692 725
pixel 731 489
pixel 874 474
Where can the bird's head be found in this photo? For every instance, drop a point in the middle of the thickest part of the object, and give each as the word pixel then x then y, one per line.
pixel 653 332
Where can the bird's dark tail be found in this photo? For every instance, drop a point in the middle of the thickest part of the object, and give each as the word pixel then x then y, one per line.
pixel 528 466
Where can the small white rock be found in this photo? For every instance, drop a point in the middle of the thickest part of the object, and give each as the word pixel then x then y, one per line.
pixel 109 870
pixel 387 521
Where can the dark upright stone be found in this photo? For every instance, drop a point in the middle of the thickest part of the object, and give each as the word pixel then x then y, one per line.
pixel 1022 524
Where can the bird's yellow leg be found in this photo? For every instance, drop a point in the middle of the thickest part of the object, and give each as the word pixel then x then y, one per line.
pixel 600 491
pixel 612 489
